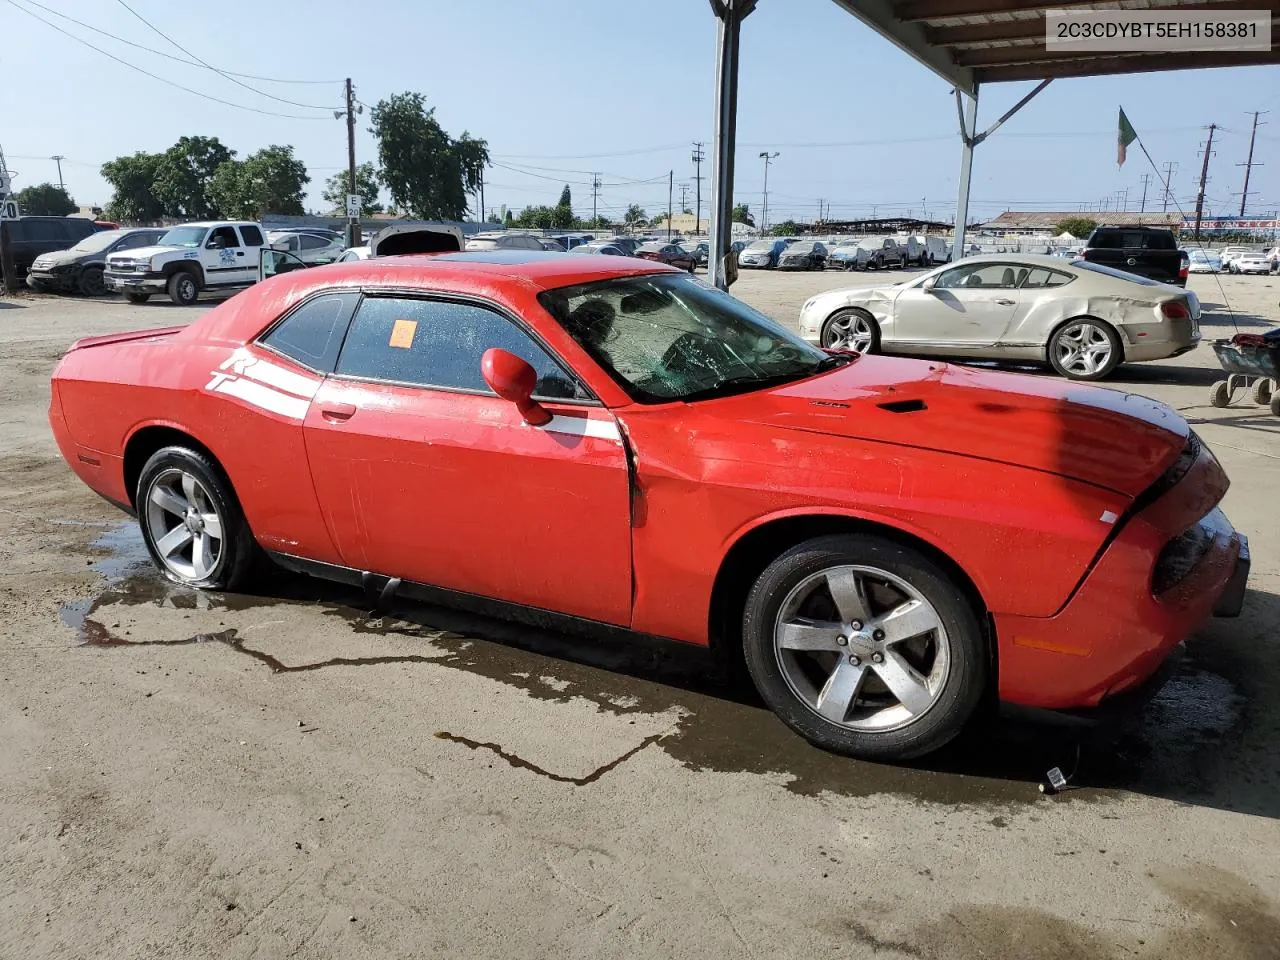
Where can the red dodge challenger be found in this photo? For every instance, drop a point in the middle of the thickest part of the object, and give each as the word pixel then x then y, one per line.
pixel 887 541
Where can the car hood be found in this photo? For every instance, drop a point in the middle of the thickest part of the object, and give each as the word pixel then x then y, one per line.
pixel 1118 441
pixel 142 253
pixel 61 258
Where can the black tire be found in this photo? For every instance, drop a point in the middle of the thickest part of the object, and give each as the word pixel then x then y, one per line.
pixel 91 283
pixel 959 692
pixel 184 289
pixel 137 297
pixel 238 549
pixel 1115 359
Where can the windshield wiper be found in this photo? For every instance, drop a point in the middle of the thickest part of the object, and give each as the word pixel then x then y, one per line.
pixel 743 385
pixel 833 360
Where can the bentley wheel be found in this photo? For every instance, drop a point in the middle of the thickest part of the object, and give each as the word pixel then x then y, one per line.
pixel 865 647
pixel 851 329
pixel 191 522
pixel 1085 349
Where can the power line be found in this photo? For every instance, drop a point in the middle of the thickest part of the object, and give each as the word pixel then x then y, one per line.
pixel 239 83
pixel 153 76
pixel 169 56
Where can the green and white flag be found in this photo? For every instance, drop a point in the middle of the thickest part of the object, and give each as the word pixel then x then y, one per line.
pixel 1125 136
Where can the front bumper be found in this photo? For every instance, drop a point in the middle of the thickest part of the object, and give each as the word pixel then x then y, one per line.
pixel 1116 630
pixel 42 277
pixel 123 282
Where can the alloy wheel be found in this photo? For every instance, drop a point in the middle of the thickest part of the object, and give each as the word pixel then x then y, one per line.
pixel 1083 348
pixel 851 331
pixel 184 524
pixel 862 648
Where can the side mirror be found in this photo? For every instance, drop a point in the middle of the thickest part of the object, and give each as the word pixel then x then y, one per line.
pixel 928 284
pixel 513 379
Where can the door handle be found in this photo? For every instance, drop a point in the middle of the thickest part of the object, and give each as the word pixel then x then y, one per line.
pixel 1006 302
pixel 337 412
pixel 239 253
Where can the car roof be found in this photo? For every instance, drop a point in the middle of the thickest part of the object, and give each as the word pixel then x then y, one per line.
pixel 1041 259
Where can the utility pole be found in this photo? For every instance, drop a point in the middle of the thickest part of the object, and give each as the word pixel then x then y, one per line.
pixel 1249 164
pixel 59 158
pixel 1204 178
pixel 819 220
pixel 698 157
pixel 7 266
pixel 353 221
pixel 671 179
pixel 684 196
pixel 483 219
pixel 768 158
pixel 595 197
pixel 1146 179
pixel 1169 167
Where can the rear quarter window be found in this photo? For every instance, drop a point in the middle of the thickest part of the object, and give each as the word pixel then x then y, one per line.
pixel 312 333
pixel 252 236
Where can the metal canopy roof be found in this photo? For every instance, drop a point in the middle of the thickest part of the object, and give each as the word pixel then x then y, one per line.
pixel 971 42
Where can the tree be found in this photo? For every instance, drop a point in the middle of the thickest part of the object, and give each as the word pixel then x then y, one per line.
pixel 335 191
pixel 564 218
pixel 269 181
pixel 1077 226
pixel 184 175
pixel 509 219
pixel 787 228
pixel 659 217
pixel 133 180
pixel 566 197
pixel 538 217
pixel 427 173
pixel 45 200
pixel 634 216
pixel 742 214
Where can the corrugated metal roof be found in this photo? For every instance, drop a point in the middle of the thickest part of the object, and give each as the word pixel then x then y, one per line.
pixel 972 42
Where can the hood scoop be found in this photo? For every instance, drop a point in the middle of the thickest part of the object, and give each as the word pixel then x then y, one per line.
pixel 903 406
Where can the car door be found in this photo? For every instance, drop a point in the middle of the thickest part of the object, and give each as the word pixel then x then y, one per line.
pixel 225 260
pixel 424 474
pixel 966 307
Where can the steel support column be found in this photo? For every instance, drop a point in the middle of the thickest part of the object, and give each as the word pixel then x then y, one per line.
pixel 730 14
pixel 967 107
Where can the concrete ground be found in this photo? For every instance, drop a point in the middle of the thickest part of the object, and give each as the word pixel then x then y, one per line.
pixel 276 775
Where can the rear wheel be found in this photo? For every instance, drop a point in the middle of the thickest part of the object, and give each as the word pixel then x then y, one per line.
pixel 183 289
pixel 191 521
pixel 865 647
pixel 91 283
pixel 851 329
pixel 1085 349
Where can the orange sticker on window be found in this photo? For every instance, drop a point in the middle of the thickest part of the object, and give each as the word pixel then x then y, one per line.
pixel 402 334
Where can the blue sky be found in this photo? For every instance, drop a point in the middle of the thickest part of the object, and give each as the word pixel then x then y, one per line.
pixel 563 88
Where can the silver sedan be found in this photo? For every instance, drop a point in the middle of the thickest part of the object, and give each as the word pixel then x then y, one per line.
pixel 1082 318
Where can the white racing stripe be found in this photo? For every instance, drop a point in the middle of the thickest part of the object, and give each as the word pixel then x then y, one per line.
pixel 584 427
pixel 262 396
pixel 242 363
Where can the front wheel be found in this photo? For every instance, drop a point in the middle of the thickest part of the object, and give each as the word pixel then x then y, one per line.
pixel 1085 349
pixel 137 297
pixel 183 289
pixel 91 283
pixel 191 521
pixel 851 329
pixel 865 647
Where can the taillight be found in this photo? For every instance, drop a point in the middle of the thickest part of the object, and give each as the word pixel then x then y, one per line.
pixel 1184 268
pixel 1175 310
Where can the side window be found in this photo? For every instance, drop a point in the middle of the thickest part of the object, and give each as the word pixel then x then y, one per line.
pixel 223 238
pixel 310 242
pixel 43 231
pixel 437 343
pixel 252 236
pixel 136 240
pixel 312 333
pixel 984 276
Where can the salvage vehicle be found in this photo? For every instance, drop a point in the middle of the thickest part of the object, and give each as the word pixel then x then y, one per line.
pixel 308 246
pixel 80 268
pixel 762 253
pixel 439 427
pixel 849 254
pixel 1203 261
pixel 1081 318
pixel 804 255
pixel 32 237
pixel 216 256
pixel 1150 252
pixel 884 252
pixel 1230 253
pixel 1251 261
pixel 671 254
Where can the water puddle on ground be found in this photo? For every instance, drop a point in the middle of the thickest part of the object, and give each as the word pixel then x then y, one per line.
pixel 1174 750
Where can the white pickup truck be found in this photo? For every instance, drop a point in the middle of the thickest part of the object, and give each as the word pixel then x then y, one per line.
pixel 189 259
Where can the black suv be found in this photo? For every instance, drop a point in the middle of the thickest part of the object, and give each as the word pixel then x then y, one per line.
pixel 1146 251
pixel 31 236
pixel 79 269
